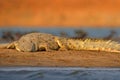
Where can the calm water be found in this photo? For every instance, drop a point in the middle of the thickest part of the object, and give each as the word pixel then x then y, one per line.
pixel 92 32
pixel 47 73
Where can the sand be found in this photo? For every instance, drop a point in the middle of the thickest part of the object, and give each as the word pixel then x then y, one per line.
pixel 9 57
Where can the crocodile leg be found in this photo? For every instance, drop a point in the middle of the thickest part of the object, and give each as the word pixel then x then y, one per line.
pixel 44 47
pixel 11 45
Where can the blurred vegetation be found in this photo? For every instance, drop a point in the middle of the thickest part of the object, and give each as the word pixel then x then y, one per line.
pixel 77 34
pixel 111 35
pixel 80 34
pixel 63 34
pixel 9 35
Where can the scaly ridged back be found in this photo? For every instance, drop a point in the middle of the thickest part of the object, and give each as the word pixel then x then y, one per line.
pixel 88 44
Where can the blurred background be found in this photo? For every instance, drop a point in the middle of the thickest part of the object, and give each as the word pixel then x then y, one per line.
pixel 74 13
pixel 71 18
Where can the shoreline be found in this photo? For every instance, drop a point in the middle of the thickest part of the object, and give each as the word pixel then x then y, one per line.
pixel 56 68
pixel 87 59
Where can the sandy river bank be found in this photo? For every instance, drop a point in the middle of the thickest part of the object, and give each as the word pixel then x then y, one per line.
pixel 9 57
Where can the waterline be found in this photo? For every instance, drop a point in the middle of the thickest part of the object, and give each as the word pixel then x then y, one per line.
pixel 55 68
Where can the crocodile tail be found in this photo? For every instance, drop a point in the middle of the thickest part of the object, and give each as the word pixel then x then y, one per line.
pixel 98 45
pixel 8 45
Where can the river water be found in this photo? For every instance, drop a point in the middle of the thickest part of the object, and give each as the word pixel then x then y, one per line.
pixel 92 32
pixel 58 73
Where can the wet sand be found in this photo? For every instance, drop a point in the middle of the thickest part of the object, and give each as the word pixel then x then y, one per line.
pixel 9 57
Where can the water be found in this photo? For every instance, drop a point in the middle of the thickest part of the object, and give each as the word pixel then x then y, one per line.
pixel 53 73
pixel 92 32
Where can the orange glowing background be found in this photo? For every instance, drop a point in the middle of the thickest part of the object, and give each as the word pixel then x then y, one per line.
pixel 60 13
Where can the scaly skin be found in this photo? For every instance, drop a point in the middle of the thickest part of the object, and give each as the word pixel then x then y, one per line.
pixel 34 42
pixel 88 44
pixel 41 41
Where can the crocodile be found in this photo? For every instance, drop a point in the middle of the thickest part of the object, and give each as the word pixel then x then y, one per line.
pixel 33 42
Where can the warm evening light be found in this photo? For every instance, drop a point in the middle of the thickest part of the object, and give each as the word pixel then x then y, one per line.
pixel 59 13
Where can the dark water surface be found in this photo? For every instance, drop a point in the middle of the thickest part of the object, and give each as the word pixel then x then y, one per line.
pixel 52 73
